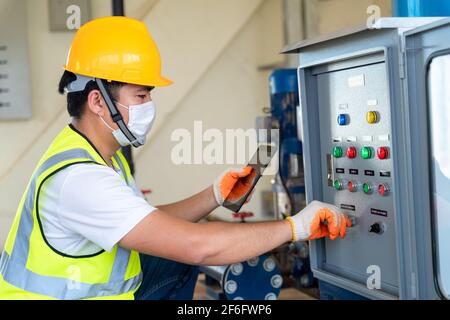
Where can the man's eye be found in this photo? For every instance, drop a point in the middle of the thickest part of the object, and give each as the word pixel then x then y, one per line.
pixel 142 96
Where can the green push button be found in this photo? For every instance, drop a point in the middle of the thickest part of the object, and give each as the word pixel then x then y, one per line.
pixel 366 188
pixel 338 184
pixel 366 153
pixel 337 152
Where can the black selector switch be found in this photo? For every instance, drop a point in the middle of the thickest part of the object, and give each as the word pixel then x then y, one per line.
pixel 376 228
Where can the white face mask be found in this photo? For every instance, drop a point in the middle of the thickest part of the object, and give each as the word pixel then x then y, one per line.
pixel 140 121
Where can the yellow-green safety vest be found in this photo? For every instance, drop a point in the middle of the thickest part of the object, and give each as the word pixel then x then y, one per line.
pixel 30 268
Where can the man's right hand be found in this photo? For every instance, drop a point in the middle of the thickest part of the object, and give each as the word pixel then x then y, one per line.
pixel 319 220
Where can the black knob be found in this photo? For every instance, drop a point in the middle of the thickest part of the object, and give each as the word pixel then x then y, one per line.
pixel 376 228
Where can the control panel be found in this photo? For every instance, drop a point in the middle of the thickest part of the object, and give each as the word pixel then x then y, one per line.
pixel 356 155
pixel 367 103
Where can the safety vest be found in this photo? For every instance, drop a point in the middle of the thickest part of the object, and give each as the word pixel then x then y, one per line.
pixel 30 268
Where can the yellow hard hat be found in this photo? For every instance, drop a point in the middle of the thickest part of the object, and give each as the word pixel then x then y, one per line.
pixel 116 49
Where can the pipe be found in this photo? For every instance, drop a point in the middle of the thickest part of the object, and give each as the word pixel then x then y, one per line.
pixel 118 9
pixel 420 8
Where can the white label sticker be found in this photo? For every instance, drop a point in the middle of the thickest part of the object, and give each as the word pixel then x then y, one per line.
pixel 367 138
pixel 337 139
pixel 372 103
pixel 356 81
pixel 343 106
pixel 351 139
pixel 383 137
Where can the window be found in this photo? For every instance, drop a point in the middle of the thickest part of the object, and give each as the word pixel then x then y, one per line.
pixel 439 116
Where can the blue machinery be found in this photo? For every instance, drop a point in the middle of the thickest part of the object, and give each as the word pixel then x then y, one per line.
pixel 256 279
pixel 288 186
pixel 420 8
pixel 262 277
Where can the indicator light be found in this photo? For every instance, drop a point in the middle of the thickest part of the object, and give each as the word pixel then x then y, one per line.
pixel 367 188
pixel 342 119
pixel 366 152
pixel 338 184
pixel 383 153
pixel 337 152
pixel 352 186
pixel 351 153
pixel 372 117
pixel 383 189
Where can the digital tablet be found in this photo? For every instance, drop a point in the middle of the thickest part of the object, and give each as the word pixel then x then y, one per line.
pixel 259 162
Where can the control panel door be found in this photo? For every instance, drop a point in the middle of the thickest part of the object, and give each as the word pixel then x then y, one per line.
pixel 427 52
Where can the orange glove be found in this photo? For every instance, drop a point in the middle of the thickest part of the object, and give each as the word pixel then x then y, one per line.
pixel 233 184
pixel 318 220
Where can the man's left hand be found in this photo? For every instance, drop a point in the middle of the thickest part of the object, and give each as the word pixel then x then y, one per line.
pixel 233 184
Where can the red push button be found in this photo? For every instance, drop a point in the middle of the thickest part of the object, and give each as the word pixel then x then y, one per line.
pixel 383 153
pixel 351 153
pixel 352 186
pixel 383 189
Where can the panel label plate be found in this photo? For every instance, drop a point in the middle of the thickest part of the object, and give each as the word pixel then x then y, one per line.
pixel 348 207
pixel 379 212
pixel 357 81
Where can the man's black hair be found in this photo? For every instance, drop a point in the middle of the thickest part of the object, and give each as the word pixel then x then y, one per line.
pixel 77 100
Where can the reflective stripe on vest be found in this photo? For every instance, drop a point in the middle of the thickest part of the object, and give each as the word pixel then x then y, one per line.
pixel 13 267
pixel 122 168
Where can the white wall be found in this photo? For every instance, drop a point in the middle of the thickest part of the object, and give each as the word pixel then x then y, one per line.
pixel 22 141
pixel 190 48
pixel 231 93
pixel 212 49
pixel 333 15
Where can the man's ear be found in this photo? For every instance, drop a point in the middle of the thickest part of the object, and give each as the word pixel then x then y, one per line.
pixel 95 103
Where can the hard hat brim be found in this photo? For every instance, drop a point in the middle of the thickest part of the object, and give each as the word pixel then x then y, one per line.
pixel 163 82
pixel 158 82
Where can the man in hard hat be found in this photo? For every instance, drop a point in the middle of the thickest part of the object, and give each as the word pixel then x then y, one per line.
pixel 83 229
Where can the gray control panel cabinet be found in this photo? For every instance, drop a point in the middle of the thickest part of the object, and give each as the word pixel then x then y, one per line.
pixel 365 120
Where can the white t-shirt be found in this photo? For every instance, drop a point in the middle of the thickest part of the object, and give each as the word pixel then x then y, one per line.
pixel 88 207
